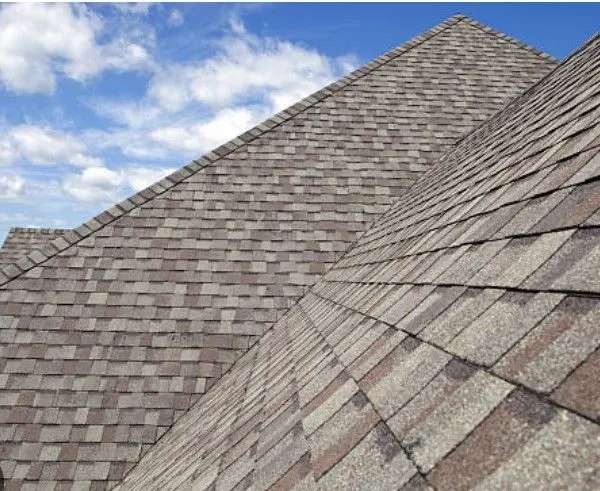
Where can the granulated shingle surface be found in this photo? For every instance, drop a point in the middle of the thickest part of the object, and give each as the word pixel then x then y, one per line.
pixel 114 330
pixel 479 379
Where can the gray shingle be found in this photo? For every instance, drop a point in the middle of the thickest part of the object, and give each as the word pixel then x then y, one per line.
pixel 445 412
pixel 175 290
pixel 377 461
pixel 574 266
pixel 495 331
pixel 543 358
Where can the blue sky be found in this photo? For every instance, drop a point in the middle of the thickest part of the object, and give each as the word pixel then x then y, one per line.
pixel 98 101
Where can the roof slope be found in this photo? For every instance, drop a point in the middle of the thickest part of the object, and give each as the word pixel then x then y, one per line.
pixel 117 328
pixel 456 345
pixel 21 241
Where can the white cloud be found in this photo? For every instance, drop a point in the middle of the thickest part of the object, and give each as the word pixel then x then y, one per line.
pixel 175 18
pixel 40 41
pixel 122 54
pixel 204 136
pixel 133 8
pixel 139 178
pixel 246 67
pixel 93 184
pixel 103 185
pixel 12 186
pixel 8 152
pixel 45 146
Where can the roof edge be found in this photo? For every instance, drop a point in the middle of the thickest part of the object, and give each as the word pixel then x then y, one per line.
pixel 72 237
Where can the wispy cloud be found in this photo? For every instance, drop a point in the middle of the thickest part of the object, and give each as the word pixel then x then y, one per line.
pixel 11 186
pixel 175 18
pixel 134 8
pixel 42 145
pixel 246 67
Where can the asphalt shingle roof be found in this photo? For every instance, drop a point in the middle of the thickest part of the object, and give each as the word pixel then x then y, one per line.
pixel 21 241
pixel 455 345
pixel 111 332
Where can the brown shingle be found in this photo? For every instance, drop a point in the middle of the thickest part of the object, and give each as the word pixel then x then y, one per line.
pixel 183 282
pixel 449 422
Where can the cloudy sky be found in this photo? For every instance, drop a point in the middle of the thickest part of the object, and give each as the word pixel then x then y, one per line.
pixel 99 101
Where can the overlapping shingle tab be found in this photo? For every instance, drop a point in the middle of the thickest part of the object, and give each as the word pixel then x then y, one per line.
pixel 454 346
pixel 22 241
pixel 115 329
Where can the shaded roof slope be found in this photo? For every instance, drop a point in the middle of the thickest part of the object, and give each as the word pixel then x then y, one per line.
pixel 119 326
pixel 454 346
pixel 21 241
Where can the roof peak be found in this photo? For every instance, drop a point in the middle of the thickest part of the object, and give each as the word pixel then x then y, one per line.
pixel 72 237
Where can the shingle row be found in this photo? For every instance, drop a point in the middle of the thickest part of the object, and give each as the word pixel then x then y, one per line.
pixel 184 277
pixel 454 346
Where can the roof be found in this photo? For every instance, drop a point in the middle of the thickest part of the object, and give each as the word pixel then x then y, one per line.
pixel 455 345
pixel 114 330
pixel 21 241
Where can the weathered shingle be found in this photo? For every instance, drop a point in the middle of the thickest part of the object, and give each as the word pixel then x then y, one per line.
pixel 116 329
pixel 481 378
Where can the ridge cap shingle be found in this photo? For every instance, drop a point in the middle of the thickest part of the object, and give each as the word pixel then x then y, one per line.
pixel 36 230
pixel 13 271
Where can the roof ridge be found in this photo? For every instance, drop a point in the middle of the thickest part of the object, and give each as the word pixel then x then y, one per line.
pixel 72 237
pixel 41 230
pixel 506 37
